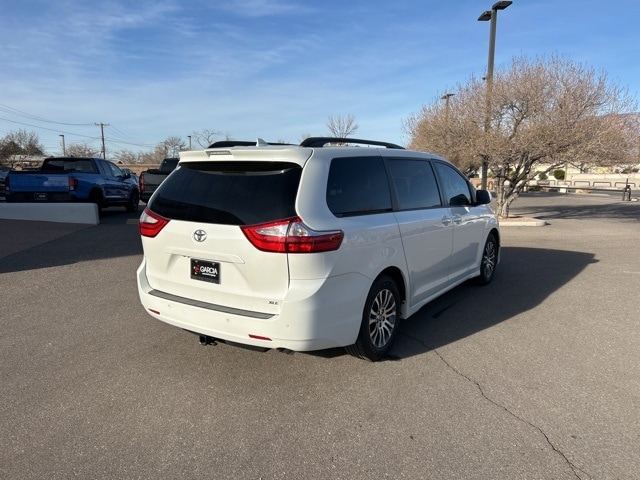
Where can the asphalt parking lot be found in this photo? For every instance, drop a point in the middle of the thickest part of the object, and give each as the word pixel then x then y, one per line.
pixel 536 376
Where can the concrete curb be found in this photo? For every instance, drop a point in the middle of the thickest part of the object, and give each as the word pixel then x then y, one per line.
pixel 86 213
pixel 521 222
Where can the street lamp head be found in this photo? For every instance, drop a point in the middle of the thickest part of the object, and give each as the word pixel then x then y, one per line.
pixel 501 5
pixel 485 17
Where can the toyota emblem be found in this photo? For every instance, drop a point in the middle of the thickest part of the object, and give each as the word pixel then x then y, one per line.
pixel 199 235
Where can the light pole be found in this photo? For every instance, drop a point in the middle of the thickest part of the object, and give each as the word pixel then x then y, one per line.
pixel 493 16
pixel 189 137
pixel 446 98
pixel 64 149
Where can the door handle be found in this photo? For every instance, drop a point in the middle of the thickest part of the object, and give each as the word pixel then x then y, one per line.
pixel 446 221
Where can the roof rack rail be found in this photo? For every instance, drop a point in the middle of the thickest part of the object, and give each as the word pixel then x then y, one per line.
pixel 242 143
pixel 316 142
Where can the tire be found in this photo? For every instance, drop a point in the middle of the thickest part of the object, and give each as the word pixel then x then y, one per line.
pixel 134 200
pixel 489 261
pixel 96 197
pixel 380 321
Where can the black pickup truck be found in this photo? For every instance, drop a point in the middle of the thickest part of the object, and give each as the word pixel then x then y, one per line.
pixel 151 179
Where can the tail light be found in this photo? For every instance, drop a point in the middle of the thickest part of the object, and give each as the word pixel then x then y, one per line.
pixel 291 235
pixel 73 184
pixel 150 224
pixel 141 183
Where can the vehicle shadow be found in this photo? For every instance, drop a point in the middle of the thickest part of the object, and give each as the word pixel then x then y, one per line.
pixel 116 236
pixel 524 279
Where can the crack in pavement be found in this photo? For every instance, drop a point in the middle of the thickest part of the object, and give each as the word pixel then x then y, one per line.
pixel 576 471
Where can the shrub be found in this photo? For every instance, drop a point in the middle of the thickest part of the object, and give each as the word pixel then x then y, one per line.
pixel 558 174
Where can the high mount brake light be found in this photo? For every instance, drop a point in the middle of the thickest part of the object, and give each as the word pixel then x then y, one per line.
pixel 291 235
pixel 150 224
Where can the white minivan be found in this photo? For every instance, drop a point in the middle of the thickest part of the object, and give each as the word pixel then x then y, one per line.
pixel 305 247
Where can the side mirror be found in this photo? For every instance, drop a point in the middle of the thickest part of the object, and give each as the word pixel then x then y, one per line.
pixel 483 197
pixel 126 175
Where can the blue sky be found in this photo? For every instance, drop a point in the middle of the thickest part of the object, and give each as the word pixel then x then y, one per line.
pixel 273 69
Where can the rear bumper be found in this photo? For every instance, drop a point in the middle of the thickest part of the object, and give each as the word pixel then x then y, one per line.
pixel 314 315
pixel 32 197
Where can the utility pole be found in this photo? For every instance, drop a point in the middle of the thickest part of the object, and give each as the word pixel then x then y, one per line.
pixel 102 125
pixel 64 149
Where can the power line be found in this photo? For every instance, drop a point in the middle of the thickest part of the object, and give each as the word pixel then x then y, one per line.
pixel 124 142
pixel 13 111
pixel 120 137
pixel 120 134
pixel 45 128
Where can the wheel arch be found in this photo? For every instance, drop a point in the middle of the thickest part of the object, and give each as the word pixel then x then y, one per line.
pixel 396 275
pixel 496 234
pixel 96 195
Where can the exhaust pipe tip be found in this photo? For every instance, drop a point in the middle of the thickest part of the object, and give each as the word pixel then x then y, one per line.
pixel 206 340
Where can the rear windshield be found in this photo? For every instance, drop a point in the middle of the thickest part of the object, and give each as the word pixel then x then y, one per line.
pixel 229 193
pixel 69 165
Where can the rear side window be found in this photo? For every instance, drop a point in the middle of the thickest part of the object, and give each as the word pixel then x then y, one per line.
pixel 358 186
pixel 229 193
pixel 415 184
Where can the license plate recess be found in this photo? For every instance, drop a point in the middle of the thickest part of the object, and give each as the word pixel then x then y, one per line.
pixel 205 271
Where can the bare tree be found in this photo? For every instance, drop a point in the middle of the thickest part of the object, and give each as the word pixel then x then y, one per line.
pixel 153 157
pixel 20 142
pixel 172 146
pixel 342 126
pixel 126 156
pixel 205 137
pixel 543 112
pixel 82 150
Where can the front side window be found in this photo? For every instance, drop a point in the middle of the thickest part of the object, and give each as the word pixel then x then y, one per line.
pixel 115 170
pixel 455 186
pixel 229 193
pixel 104 169
pixel 415 184
pixel 358 186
